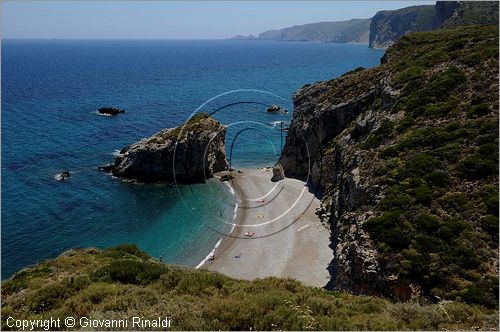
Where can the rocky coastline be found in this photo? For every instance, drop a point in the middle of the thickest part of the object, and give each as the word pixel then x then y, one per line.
pixel 350 137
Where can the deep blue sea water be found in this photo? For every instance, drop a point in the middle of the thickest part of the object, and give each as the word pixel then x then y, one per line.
pixel 50 92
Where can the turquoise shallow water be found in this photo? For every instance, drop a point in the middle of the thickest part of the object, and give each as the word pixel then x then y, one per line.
pixel 50 91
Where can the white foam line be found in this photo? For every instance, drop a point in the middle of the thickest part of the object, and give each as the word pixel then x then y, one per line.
pixel 101 114
pixel 235 214
pixel 235 211
pixel 231 190
pixel 210 254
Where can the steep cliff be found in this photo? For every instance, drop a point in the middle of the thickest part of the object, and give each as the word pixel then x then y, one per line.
pixel 406 154
pixel 453 14
pixel 388 26
pixel 189 153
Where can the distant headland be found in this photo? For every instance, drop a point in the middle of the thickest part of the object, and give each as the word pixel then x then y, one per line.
pixel 387 26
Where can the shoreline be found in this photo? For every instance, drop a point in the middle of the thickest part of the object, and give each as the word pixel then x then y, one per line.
pixel 238 218
pixel 289 241
pixel 223 239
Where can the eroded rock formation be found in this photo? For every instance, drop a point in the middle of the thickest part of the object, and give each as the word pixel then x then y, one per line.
pixel 189 153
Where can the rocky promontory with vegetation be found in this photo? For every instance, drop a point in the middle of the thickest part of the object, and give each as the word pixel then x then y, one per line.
pixel 406 154
pixel 189 153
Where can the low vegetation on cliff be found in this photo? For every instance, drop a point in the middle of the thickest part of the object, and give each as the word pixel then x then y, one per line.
pixel 125 282
pixel 439 221
pixel 407 154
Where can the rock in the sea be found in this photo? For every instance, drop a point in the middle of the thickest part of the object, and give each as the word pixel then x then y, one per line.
pixel 276 109
pixel 189 153
pixel 110 111
pixel 62 176
pixel 278 173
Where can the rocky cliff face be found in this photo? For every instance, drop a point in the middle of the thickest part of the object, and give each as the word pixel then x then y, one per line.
pixel 185 154
pixel 390 25
pixel 398 147
pixel 453 14
pixel 330 118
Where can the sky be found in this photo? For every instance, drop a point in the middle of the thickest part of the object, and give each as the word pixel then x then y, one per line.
pixel 173 19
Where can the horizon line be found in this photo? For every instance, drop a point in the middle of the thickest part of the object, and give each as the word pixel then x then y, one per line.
pixel 175 39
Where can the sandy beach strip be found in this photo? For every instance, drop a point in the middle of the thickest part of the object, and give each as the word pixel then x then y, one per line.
pixel 288 239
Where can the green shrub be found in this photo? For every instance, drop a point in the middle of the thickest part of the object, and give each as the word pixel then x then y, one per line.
pixel 450 152
pixel 388 152
pixel 453 126
pixel 419 164
pixel 127 249
pixel 422 194
pixel 457 44
pixel 489 150
pixel 441 84
pixel 438 179
pixel 490 225
pixel 389 228
pixel 48 297
pixel 97 292
pixel 130 272
pixel 478 110
pixel 427 223
pixel 423 137
pixel 487 126
pixel 451 229
pixel 478 167
pixel 170 278
pixel 199 284
pixel 395 199
pixel 378 136
pixel 456 201
pixel 22 279
pixel 443 108
pixel 406 123
pixel 484 292
pixel 491 202
pixel 409 74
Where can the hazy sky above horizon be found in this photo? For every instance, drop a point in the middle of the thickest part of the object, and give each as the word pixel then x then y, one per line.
pixel 174 19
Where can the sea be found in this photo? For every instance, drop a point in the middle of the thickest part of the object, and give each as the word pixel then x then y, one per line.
pixel 51 90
